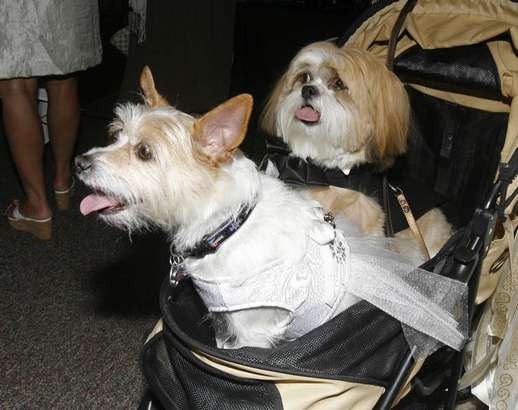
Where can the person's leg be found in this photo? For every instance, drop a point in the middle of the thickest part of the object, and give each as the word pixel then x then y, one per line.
pixel 63 119
pixel 25 138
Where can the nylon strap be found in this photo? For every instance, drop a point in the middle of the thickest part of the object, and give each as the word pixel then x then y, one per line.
pixel 407 8
pixel 409 216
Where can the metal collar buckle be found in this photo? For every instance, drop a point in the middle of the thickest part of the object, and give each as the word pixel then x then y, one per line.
pixel 176 268
pixel 330 219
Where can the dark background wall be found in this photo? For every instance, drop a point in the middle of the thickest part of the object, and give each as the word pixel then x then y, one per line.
pixel 203 51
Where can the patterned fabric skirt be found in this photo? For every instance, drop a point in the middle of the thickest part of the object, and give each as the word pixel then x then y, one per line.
pixel 48 37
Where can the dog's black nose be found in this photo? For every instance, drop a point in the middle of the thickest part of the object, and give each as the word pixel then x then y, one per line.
pixel 83 163
pixel 309 91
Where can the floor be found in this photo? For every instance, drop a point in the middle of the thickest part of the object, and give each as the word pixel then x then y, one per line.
pixel 75 309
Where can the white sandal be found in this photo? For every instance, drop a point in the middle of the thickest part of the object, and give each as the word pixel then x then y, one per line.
pixel 63 196
pixel 40 228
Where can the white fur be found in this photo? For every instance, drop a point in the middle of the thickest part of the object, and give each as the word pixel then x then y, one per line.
pixel 325 142
pixel 188 199
pixel 334 127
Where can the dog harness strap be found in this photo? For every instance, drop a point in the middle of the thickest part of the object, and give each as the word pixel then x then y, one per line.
pixel 312 289
pixel 207 245
pixel 389 228
pixel 294 170
pixel 396 30
pixel 211 242
pixel 409 216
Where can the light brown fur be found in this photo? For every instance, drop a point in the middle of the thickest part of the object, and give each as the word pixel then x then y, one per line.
pixel 147 84
pixel 363 210
pixel 378 98
pixel 240 105
pixel 378 115
pixel 381 114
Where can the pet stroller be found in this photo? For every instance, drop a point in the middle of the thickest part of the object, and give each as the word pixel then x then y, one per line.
pixel 458 59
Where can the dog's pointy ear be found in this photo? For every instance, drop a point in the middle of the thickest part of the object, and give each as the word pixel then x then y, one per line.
pixel 220 131
pixel 151 95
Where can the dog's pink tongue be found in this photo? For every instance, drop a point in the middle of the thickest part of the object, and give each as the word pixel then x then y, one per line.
pixel 307 114
pixel 95 202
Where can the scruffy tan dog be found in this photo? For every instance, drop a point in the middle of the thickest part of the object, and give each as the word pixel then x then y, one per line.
pixel 342 109
pixel 253 247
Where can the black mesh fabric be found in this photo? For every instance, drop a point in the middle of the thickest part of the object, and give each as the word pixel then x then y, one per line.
pixel 465 69
pixel 362 344
pixel 180 382
pixel 161 375
pixel 453 154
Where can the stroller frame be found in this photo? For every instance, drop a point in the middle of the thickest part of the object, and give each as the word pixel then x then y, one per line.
pixel 462 263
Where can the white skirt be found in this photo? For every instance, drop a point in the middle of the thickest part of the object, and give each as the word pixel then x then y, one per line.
pixel 48 37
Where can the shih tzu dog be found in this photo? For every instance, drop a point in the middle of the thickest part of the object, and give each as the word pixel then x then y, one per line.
pixel 345 117
pixel 339 107
pixel 268 262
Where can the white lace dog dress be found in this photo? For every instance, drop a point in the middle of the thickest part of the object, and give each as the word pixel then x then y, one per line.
pixel 335 272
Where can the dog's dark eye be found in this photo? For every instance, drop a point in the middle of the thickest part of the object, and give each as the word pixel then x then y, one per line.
pixel 305 77
pixel 144 152
pixel 338 84
pixel 112 138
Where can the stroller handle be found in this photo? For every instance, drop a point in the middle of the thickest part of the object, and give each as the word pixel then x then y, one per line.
pixel 463 263
pixel 507 173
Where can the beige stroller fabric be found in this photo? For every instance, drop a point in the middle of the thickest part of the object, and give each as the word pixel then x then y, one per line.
pixel 298 392
pixel 449 23
pixel 493 354
pixel 48 37
pixel 492 365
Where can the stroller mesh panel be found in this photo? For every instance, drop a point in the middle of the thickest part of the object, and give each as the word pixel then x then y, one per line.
pixel 367 355
pixel 465 69
pixel 159 371
pixel 453 154
pixel 206 389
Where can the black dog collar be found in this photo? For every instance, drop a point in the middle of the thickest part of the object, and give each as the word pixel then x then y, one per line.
pixel 211 242
pixel 207 245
